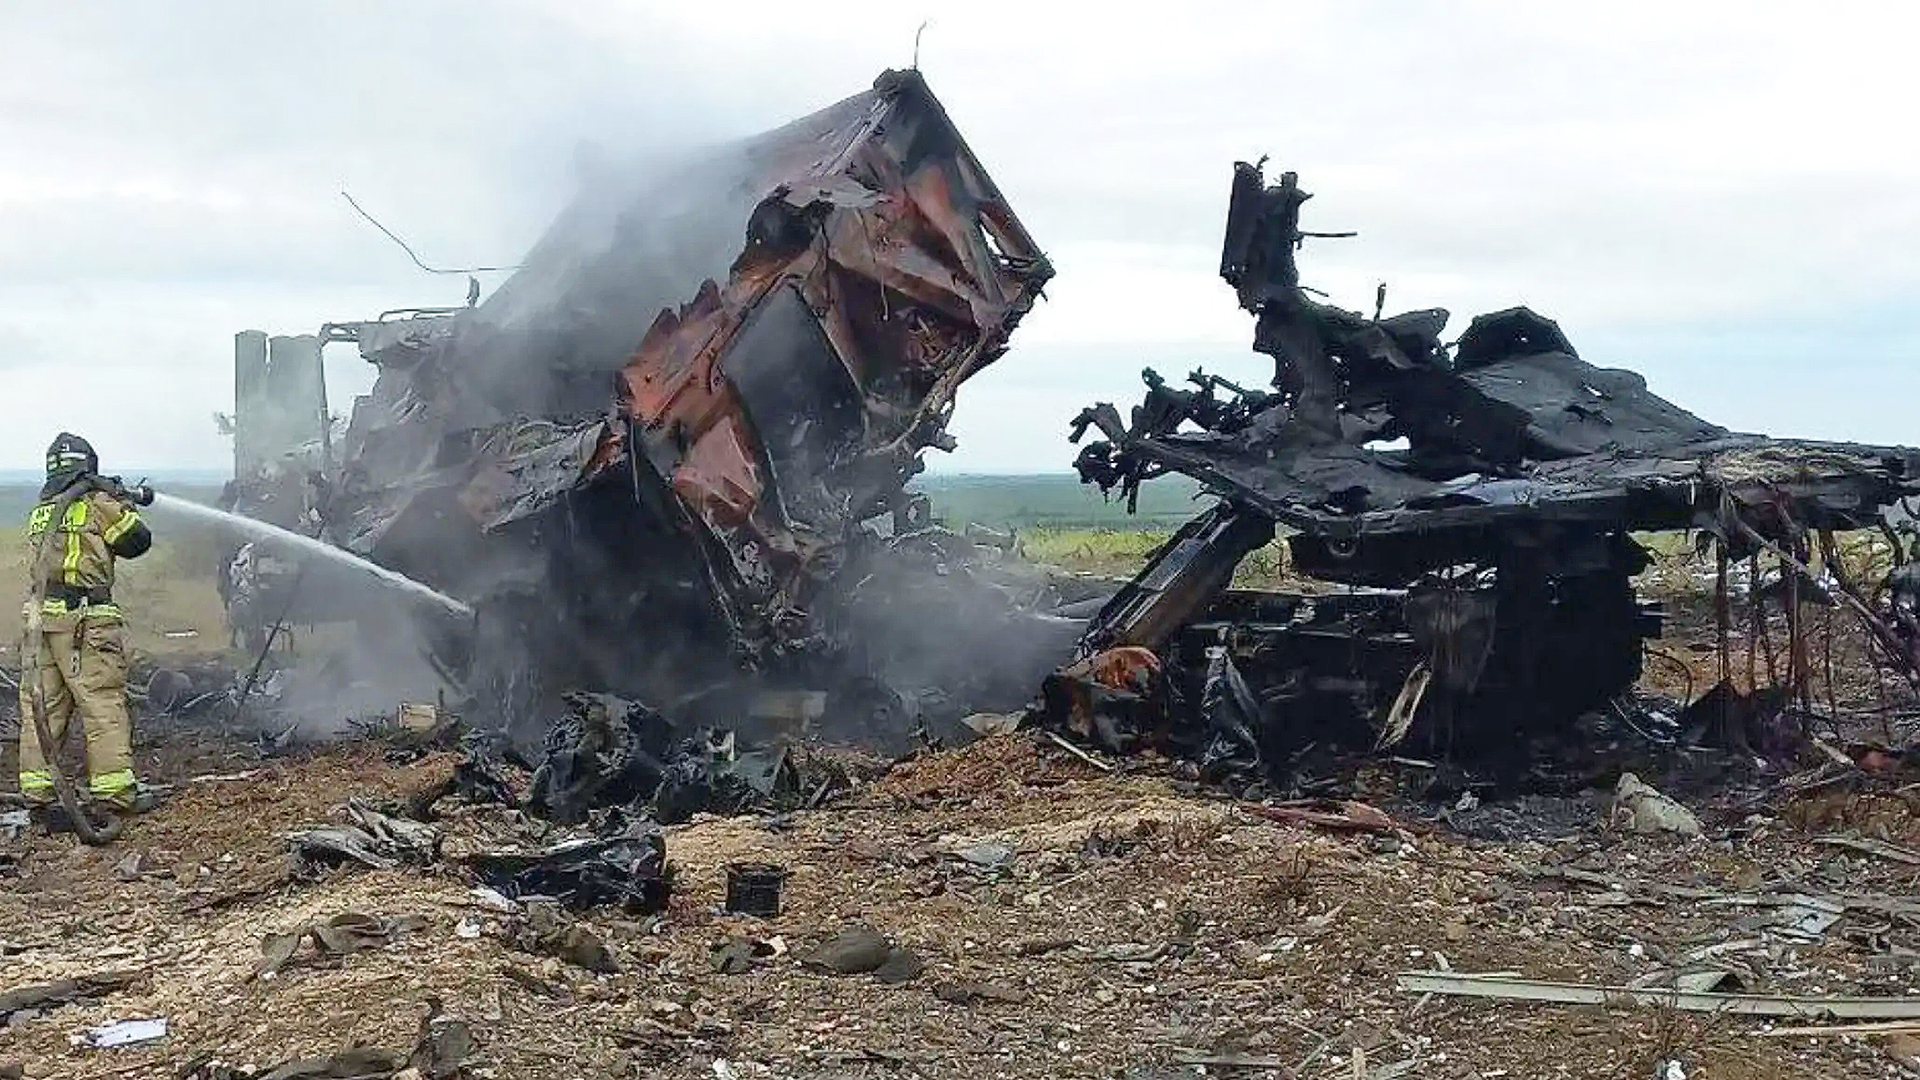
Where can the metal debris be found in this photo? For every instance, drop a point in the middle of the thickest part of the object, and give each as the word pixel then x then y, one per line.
pixel 734 957
pixel 859 950
pixel 356 1063
pixel 442 1046
pixel 1342 815
pixel 754 889
pixel 339 935
pixel 544 929
pixel 606 752
pixel 376 840
pixel 29 1001
pixel 626 865
pixel 123 1033
pixel 1479 501
pixel 1510 988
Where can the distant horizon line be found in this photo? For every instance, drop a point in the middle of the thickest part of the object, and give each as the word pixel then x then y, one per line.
pixel 19 476
pixel 134 472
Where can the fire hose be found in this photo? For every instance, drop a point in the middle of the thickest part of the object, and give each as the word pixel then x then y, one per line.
pixel 33 640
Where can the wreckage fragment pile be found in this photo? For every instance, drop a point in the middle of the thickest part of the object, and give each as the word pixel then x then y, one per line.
pixel 581 825
pixel 607 752
pixel 785 323
pixel 612 773
pixel 620 860
pixel 907 925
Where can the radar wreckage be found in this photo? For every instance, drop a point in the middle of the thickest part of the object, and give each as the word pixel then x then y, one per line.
pixel 667 460
pixel 1487 562
pixel 664 456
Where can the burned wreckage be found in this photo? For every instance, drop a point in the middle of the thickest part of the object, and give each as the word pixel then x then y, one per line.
pixel 666 463
pixel 666 459
pixel 1478 501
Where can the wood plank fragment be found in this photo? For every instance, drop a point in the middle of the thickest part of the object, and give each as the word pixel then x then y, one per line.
pixel 1466 985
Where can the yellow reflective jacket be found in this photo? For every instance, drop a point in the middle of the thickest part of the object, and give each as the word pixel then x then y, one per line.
pixel 96 529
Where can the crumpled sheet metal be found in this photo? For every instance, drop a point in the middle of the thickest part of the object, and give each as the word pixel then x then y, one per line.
pixel 627 867
pixel 733 782
pixel 602 751
pixel 879 275
pixel 374 840
pixel 606 752
pixel 523 466
pixel 338 935
pixel 511 472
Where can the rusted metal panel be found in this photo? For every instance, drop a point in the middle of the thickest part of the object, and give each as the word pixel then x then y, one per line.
pixel 879 275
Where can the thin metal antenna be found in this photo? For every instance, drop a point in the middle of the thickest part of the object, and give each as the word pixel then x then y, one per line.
pixel 410 254
pixel 916 44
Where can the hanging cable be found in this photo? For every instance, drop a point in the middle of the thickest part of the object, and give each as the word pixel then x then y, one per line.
pixel 410 253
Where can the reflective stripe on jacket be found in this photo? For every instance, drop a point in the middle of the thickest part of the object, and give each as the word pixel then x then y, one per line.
pixel 95 530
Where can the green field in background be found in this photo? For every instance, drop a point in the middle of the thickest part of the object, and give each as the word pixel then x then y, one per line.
pixel 1056 502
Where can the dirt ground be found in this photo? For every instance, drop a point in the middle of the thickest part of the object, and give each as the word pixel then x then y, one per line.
pixel 1072 921
pixel 1130 923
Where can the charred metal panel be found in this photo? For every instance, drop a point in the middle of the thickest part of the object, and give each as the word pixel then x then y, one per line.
pixel 796 393
pixel 1180 579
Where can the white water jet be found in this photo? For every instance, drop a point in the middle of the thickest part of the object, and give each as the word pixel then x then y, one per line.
pixel 273 535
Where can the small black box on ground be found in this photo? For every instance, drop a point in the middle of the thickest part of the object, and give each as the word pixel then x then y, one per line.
pixel 754 889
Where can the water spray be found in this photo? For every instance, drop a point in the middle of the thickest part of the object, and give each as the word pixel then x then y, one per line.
pixel 307 545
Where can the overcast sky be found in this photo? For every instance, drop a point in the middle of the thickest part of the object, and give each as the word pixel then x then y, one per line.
pixel 1723 196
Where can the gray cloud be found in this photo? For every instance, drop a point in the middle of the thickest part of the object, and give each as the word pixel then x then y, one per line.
pixel 1665 179
pixel 19 349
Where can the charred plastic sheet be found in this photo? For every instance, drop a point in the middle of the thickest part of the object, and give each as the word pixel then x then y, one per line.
pixel 1494 548
pixel 646 458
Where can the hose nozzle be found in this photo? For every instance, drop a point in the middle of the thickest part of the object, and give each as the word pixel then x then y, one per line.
pixel 140 494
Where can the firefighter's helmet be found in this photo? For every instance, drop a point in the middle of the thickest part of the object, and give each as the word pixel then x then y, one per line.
pixel 71 453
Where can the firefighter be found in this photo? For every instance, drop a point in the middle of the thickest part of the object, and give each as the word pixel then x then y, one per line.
pixel 81 666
